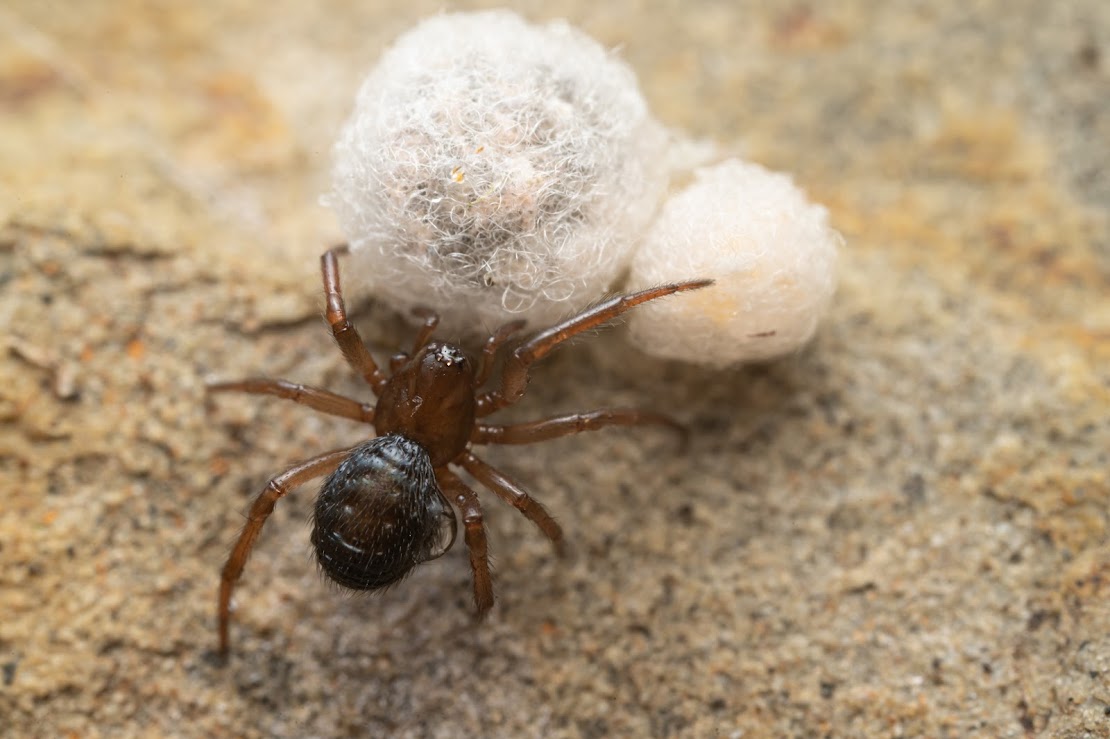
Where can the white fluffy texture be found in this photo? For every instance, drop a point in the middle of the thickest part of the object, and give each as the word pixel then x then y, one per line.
pixel 496 170
pixel 771 252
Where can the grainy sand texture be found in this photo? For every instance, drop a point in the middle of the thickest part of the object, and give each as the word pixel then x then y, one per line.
pixel 901 531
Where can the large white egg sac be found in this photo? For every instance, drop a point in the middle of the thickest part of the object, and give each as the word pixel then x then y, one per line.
pixel 495 170
pixel 773 256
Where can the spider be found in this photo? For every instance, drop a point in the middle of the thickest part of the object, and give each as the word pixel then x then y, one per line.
pixel 385 506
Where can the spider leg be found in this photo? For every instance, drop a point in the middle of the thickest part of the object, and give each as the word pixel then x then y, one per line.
pixel 346 335
pixel 509 491
pixel 315 398
pixel 474 534
pixel 493 343
pixel 514 375
pixel 553 428
pixel 260 510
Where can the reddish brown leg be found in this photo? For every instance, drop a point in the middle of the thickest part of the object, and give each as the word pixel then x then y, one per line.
pixel 261 509
pixel 350 343
pixel 512 493
pixel 315 398
pixel 514 375
pixel 553 428
pixel 474 534
pixel 493 343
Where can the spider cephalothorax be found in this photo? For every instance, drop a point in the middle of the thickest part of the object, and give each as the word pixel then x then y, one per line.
pixel 386 504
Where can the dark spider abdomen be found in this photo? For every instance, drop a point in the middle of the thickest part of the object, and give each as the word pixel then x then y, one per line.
pixel 380 514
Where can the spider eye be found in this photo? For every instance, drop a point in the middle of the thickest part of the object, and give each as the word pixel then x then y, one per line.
pixel 380 514
pixel 442 357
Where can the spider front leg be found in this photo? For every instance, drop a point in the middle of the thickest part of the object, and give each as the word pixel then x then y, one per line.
pixel 346 335
pixel 260 510
pixel 474 534
pixel 514 375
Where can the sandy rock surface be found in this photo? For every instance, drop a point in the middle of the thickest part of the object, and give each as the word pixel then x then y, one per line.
pixel 902 531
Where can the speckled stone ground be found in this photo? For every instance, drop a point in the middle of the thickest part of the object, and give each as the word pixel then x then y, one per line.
pixel 903 531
